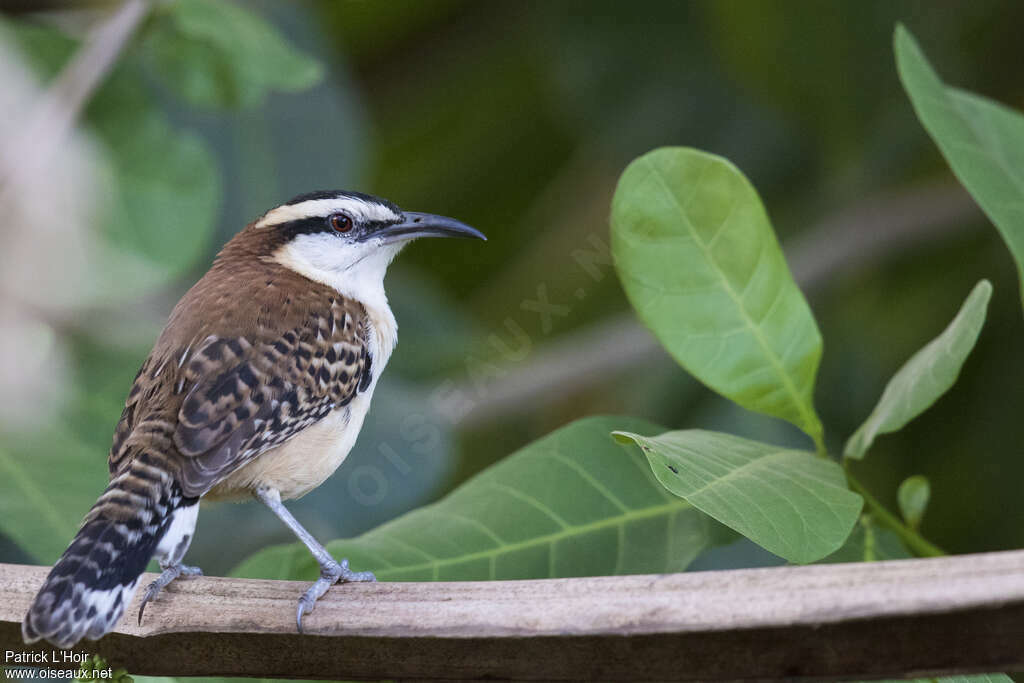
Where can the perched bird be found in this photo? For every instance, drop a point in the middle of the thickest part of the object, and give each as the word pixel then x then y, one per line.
pixel 257 386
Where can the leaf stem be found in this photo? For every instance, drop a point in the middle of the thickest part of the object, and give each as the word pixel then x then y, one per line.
pixel 921 546
pixel 819 444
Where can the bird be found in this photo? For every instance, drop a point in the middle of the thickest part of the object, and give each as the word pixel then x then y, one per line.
pixel 257 387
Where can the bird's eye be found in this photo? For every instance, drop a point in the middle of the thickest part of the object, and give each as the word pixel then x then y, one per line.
pixel 341 222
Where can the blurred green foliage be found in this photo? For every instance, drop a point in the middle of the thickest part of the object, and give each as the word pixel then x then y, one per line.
pixel 913 495
pixel 162 178
pixel 869 543
pixel 518 117
pixel 217 54
pixel 96 668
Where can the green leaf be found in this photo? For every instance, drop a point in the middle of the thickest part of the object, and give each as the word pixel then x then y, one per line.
pixel 982 140
pixel 790 502
pixel 167 185
pixel 926 376
pixel 218 54
pixel 48 481
pixel 869 543
pixel 700 264
pixel 571 504
pixel 912 496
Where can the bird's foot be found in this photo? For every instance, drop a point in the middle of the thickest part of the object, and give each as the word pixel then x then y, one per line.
pixel 169 573
pixel 330 574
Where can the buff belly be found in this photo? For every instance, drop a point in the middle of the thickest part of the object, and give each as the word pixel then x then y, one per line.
pixel 302 463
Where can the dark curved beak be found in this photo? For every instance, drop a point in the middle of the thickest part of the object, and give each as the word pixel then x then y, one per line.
pixel 423 225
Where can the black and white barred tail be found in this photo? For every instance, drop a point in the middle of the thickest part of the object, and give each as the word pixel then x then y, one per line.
pixel 142 514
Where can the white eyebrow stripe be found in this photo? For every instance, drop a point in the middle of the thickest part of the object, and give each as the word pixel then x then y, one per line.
pixel 311 208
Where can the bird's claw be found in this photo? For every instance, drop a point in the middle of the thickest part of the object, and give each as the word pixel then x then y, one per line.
pixel 349 576
pixel 330 574
pixel 169 573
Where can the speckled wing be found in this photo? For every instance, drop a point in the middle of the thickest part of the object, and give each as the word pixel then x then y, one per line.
pixel 246 395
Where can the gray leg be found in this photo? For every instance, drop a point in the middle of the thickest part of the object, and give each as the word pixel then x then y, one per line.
pixel 331 572
pixel 170 572
pixel 170 550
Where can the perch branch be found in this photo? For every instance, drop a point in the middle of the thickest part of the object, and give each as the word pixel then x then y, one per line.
pixel 912 617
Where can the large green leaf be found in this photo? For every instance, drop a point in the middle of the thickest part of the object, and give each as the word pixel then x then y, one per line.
pixel 215 53
pixel 571 504
pixel 982 140
pixel 791 502
pixel 926 376
pixel 700 264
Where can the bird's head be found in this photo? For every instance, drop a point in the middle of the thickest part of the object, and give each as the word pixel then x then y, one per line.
pixel 346 239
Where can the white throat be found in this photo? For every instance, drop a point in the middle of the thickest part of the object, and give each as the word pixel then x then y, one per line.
pixel 355 272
